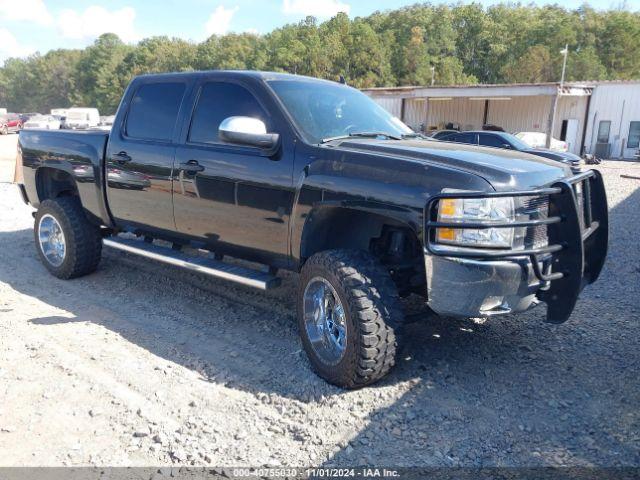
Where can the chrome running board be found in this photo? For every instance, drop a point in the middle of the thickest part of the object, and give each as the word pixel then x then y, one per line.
pixel 207 266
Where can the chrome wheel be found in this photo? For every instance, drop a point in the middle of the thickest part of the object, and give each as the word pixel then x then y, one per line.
pixel 52 241
pixel 324 320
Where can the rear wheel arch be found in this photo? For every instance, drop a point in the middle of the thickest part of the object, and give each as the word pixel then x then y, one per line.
pixel 53 183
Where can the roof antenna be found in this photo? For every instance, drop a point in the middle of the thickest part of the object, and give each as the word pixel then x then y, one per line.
pixel 342 80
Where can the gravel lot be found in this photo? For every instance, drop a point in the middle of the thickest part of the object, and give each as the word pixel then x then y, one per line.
pixel 141 364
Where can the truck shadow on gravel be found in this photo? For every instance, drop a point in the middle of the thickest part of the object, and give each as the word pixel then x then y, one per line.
pixel 509 391
pixel 518 392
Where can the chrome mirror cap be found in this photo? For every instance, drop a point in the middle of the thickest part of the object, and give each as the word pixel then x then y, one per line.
pixel 250 132
pixel 243 125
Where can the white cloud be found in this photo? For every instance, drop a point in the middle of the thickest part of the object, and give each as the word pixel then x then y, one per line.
pixel 9 46
pixel 25 11
pixel 96 20
pixel 220 20
pixel 316 8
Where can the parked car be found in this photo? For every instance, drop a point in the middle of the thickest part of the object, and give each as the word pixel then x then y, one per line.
pixel 79 118
pixel 105 123
pixel 315 177
pixel 24 117
pixel 47 122
pixel 107 120
pixel 439 134
pixel 10 122
pixel 511 142
pixel 62 119
pixel 539 140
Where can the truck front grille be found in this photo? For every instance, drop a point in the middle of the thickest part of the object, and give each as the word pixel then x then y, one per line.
pixel 536 208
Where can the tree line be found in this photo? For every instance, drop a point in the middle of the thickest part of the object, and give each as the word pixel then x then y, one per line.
pixel 449 44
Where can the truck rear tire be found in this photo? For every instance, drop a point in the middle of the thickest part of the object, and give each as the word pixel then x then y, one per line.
pixel 348 308
pixel 68 244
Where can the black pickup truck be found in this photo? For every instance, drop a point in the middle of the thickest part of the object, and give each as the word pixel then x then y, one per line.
pixel 312 176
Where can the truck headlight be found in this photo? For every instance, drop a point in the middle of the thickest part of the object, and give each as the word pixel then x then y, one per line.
pixel 476 210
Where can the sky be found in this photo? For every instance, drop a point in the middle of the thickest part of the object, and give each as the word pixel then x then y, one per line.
pixel 27 26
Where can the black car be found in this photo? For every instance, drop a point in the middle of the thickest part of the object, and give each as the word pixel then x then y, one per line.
pixel 440 134
pixel 314 177
pixel 511 142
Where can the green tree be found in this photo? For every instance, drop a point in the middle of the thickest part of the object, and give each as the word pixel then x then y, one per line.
pixel 533 67
pixel 585 65
pixel 464 43
pixel 97 84
pixel 619 44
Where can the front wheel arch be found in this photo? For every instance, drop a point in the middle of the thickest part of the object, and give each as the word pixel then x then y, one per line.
pixel 328 228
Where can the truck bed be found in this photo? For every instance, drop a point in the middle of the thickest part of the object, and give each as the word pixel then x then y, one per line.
pixel 78 153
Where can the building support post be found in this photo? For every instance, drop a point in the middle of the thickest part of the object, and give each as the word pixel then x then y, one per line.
pixel 552 118
pixel 486 112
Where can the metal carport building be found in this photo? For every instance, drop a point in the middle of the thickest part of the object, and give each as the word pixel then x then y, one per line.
pixel 540 107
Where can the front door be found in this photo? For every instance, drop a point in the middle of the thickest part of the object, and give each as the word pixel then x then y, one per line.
pixel 140 158
pixel 571 136
pixel 231 197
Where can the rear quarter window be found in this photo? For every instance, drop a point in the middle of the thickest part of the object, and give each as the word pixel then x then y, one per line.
pixel 154 110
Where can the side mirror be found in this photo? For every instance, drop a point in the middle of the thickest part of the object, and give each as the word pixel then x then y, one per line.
pixel 250 132
pixel 507 146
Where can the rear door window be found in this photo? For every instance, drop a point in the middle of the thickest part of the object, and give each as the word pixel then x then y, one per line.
pixel 218 101
pixel 465 138
pixel 154 111
pixel 488 140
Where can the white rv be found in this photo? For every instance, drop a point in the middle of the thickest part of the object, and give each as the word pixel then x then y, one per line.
pixel 82 118
pixel 60 111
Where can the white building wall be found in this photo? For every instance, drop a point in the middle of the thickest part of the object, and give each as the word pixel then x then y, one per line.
pixel 520 114
pixel 390 104
pixel 620 104
pixel 415 113
pixel 571 108
pixel 468 114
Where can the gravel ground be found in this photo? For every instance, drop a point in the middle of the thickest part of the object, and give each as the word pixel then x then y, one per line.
pixel 142 364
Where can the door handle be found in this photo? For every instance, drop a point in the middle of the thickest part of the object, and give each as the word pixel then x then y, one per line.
pixel 192 166
pixel 121 157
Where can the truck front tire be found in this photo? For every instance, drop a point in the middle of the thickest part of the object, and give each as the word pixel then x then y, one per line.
pixel 67 243
pixel 348 307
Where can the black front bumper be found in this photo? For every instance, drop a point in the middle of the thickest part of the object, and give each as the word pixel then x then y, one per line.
pixel 577 227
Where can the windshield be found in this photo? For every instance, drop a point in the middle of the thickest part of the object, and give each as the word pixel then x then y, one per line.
pixel 516 142
pixel 325 110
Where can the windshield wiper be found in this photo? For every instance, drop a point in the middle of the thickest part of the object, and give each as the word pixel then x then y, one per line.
pixel 362 135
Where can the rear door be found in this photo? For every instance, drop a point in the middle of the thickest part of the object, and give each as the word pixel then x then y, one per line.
pixel 228 196
pixel 492 140
pixel 141 153
pixel 464 137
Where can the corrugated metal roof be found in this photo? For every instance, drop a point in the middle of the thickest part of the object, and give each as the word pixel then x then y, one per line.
pixel 582 84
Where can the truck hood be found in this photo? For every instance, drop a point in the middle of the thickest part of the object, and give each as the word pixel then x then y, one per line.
pixel 503 169
pixel 563 155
